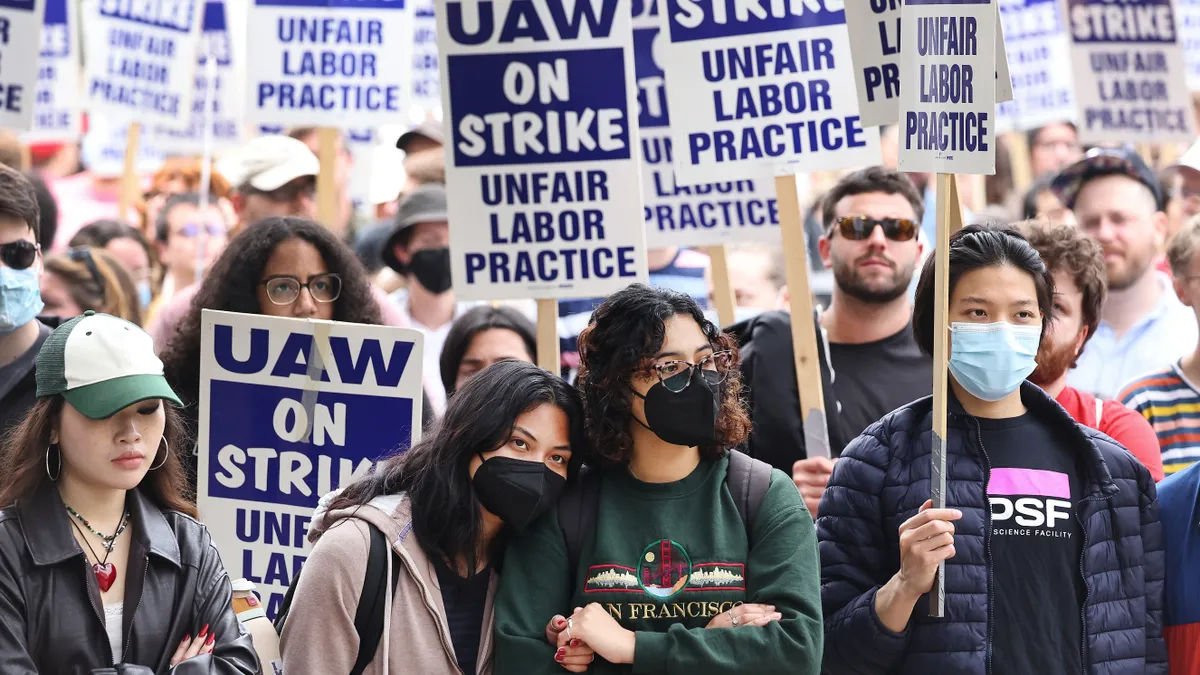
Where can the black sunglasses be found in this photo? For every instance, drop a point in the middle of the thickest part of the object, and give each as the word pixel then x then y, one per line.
pixel 81 254
pixel 19 255
pixel 858 228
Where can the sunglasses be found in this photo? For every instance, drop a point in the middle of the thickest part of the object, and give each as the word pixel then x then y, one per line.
pixel 19 255
pixel 858 228
pixel 192 229
pixel 81 254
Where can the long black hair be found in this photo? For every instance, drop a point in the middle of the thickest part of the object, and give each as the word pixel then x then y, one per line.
pixel 434 474
pixel 474 322
pixel 975 247
pixel 232 286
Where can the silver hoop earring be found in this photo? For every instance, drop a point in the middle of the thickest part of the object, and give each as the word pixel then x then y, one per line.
pixel 165 455
pixel 54 476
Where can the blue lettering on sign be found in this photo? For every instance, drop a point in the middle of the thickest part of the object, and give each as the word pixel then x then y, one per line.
pixel 564 266
pixel 175 15
pixel 23 5
pixel 56 12
pixel 338 4
pixel 651 81
pixel 524 23
pixel 266 445
pixel 1141 21
pixel 534 108
pixel 56 37
pixel 713 19
pixel 292 358
pixel 215 33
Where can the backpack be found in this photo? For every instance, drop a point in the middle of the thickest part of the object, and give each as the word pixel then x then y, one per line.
pixel 747 479
pixel 368 619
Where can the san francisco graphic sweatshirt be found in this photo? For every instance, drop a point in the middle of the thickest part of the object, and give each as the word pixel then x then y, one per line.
pixel 666 558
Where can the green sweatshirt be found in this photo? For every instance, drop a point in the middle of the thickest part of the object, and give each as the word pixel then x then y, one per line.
pixel 666 559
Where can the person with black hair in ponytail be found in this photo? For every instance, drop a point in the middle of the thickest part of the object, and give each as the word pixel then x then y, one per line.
pixel 499 458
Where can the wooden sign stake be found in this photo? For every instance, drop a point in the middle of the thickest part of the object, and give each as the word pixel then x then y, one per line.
pixel 129 177
pixel 547 335
pixel 723 295
pixel 1019 160
pixel 804 338
pixel 328 209
pixel 949 220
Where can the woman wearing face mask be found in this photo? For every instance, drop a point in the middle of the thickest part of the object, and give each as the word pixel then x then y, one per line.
pixel 129 247
pixel 497 460
pixel 86 278
pixel 103 569
pixel 675 554
pixel 1053 552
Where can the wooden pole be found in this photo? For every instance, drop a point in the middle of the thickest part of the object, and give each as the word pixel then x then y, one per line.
pixel 723 295
pixel 547 335
pixel 949 219
pixel 804 338
pixel 328 209
pixel 130 186
pixel 1019 160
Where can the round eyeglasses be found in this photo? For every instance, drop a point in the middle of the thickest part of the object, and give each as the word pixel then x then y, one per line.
pixel 284 289
pixel 676 374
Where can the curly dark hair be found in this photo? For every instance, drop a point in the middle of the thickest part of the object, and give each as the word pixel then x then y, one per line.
pixel 232 286
pixel 621 339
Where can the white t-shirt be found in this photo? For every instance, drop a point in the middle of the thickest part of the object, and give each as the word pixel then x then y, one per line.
pixel 113 616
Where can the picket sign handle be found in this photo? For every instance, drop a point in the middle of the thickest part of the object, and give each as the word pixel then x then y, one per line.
pixel 129 178
pixel 327 204
pixel 1018 157
pixel 206 158
pixel 949 220
pixel 723 296
pixel 547 334
pixel 804 337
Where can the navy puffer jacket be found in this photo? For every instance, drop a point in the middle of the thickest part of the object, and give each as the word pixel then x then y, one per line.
pixel 883 478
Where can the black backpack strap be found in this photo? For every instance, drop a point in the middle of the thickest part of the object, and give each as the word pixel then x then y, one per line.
pixel 748 480
pixel 286 606
pixel 368 619
pixel 577 510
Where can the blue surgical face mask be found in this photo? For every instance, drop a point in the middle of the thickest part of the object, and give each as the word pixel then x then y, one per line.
pixel 990 360
pixel 20 298
pixel 145 295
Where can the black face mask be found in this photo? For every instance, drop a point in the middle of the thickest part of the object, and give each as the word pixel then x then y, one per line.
pixel 431 267
pixel 688 417
pixel 516 491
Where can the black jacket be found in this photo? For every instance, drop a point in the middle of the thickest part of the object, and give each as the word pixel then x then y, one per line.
pixel 51 617
pixel 16 401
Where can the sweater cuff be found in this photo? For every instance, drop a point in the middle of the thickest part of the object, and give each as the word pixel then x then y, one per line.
pixel 649 653
pixel 886 635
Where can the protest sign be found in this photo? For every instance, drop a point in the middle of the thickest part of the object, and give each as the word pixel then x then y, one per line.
pixel 141 59
pixel 1129 73
pixel 875 48
pixel 1189 39
pixel 103 150
pixel 948 103
pixel 1036 37
pixel 427 85
pixel 20 37
pixel 220 39
pixel 290 410
pixel 539 96
pixel 763 85
pixel 329 63
pixel 680 215
pixel 56 114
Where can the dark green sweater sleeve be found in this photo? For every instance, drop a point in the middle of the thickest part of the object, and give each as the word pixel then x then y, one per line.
pixel 782 569
pixel 534 586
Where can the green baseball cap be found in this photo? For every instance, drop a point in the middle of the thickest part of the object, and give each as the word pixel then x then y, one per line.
pixel 101 364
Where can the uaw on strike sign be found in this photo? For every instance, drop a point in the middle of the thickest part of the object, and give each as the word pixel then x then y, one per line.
pixel 291 410
pixel 542 159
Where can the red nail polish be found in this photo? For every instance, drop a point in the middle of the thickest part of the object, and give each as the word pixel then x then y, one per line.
pixel 211 639
pixel 561 651
pixel 187 638
pixel 575 643
pixel 558 657
pixel 203 631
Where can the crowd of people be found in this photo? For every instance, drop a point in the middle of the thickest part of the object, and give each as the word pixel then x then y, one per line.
pixel 651 507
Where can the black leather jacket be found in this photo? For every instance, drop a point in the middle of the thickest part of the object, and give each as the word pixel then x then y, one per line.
pixel 51 617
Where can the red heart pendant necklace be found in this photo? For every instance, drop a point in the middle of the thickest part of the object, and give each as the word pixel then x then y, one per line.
pixel 106 572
